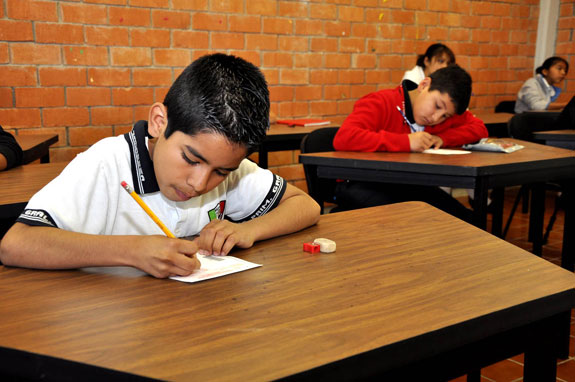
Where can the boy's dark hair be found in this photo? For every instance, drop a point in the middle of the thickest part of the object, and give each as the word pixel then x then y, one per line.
pixel 548 63
pixel 454 81
pixel 436 50
pixel 220 94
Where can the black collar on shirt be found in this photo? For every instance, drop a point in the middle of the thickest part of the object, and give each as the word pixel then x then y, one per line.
pixel 143 175
pixel 407 86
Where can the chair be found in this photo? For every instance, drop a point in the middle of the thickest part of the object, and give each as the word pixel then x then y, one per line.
pixel 320 140
pixel 505 107
pixel 522 126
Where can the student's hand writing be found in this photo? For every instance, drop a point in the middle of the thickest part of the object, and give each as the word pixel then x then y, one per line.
pixel 163 257
pixel 218 237
pixel 421 140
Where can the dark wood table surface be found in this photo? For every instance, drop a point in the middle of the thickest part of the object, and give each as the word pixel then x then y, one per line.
pixel 36 146
pixel 411 293
pixel 18 184
pixel 557 138
pixel 481 171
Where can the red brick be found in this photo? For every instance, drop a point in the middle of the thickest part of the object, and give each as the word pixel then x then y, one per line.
pixel 131 56
pixel 333 60
pixel 22 118
pixel 490 22
pixel 293 43
pixel 227 6
pixel 112 115
pixel 482 8
pixel 438 5
pixel 16 30
pixel 292 9
pixel 450 19
pixel 364 30
pixel 150 3
pixel 152 77
pixel 210 22
pixel 293 109
pixel 39 97
pixel 294 76
pixel 391 62
pixel 50 76
pixel 59 33
pixel 86 55
pixel 307 93
pixel 323 77
pixel 136 17
pixel 272 76
pixel 337 28
pixel 359 91
pixel 437 34
pixel 471 21
pixel 403 17
pixel 277 59
pixel 281 93
pixel 88 96
pixel 223 40
pixel 351 76
pixel 172 57
pixel 278 26
pixel 84 14
pixel 85 136
pixel 171 19
pixel 108 36
pixel 261 42
pixel 365 61
pixel 337 92
pixel 262 7
pixel 353 14
pixel 18 76
pixel 32 10
pixel 66 116
pixel 377 76
pixel 308 27
pixel 321 44
pixel 352 45
pixel 23 53
pixel 243 23
pixel 4 53
pixel 459 34
pixel 110 2
pixel 108 77
pixel 323 108
pixel 323 11
pixel 374 46
pixel 415 4
pixel 196 5
pixel 132 96
pixel 6 97
pixel 190 39
pixel 308 60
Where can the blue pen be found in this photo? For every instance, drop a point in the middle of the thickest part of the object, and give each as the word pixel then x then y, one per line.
pixel 406 120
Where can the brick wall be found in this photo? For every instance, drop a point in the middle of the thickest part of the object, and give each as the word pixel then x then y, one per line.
pixel 88 69
pixel 565 46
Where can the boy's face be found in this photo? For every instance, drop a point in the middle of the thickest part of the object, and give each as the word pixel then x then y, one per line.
pixel 187 166
pixel 431 107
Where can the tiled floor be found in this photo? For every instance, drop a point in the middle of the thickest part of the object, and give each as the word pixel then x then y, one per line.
pixel 511 370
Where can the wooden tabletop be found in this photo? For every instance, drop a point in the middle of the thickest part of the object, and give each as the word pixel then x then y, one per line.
pixel 36 146
pixel 400 271
pixel 18 184
pixel 494 118
pixel 555 135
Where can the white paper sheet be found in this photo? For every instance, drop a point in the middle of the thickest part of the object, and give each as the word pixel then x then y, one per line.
pixel 446 152
pixel 216 266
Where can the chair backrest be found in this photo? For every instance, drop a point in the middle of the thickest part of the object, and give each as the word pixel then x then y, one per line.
pixel 505 107
pixel 320 140
pixel 522 125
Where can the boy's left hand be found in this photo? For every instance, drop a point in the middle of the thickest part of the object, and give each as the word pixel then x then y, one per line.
pixel 218 237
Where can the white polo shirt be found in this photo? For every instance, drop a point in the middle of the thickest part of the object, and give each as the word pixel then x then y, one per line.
pixel 88 197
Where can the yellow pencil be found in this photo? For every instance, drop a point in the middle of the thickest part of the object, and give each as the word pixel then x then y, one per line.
pixel 147 209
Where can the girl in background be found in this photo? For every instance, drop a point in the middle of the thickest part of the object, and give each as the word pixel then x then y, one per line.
pixel 436 56
pixel 539 92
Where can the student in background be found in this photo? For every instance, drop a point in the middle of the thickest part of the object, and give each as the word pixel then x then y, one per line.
pixel 409 118
pixel 188 163
pixel 541 91
pixel 436 56
pixel 10 151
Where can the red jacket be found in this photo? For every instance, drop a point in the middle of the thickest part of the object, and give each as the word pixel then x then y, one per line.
pixel 375 124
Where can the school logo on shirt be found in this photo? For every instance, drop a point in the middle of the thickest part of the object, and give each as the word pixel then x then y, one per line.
pixel 218 211
pixel 36 218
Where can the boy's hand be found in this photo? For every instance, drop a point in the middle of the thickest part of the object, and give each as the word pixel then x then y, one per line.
pixel 163 257
pixel 422 141
pixel 218 237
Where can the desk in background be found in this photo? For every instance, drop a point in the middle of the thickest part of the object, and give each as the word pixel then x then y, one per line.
pixel 283 137
pixel 36 146
pixel 557 138
pixel 410 294
pixel 496 123
pixel 18 184
pixel 480 171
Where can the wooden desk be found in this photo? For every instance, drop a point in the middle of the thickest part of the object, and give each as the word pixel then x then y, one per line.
pixel 535 164
pixel 496 123
pixel 283 137
pixel 557 138
pixel 36 147
pixel 410 294
pixel 17 185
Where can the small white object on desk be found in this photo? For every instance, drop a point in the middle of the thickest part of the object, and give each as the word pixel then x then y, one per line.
pixel 325 245
pixel 445 152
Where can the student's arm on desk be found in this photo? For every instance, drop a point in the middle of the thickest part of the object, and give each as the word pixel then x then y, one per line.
pixel 54 248
pixel 296 211
pixel 460 130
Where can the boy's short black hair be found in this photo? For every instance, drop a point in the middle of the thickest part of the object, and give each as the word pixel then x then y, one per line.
pixel 436 50
pixel 221 94
pixel 454 81
pixel 549 62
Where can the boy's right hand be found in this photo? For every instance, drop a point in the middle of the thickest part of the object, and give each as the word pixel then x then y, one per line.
pixel 421 140
pixel 163 257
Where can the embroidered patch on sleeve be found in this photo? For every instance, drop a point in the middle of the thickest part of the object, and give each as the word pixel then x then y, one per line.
pixel 36 218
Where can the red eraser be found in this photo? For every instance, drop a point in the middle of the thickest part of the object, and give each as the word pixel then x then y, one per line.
pixel 311 247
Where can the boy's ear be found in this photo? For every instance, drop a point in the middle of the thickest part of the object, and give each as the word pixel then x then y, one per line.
pixel 157 119
pixel 424 83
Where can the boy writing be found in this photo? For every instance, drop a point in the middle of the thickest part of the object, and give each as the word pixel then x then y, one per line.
pixel 409 118
pixel 188 163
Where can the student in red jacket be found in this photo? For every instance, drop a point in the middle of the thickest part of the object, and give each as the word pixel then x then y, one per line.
pixel 408 118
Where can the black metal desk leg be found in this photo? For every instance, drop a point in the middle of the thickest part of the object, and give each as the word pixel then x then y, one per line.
pixel 541 356
pixel 480 210
pixel 536 217
pixel 497 196
pixel 568 251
